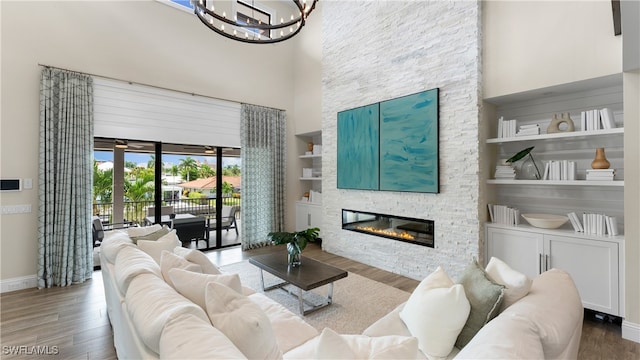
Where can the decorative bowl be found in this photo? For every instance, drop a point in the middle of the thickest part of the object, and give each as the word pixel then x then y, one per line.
pixel 545 221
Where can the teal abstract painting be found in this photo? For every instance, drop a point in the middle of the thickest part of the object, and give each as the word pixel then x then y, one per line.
pixel 409 143
pixel 358 152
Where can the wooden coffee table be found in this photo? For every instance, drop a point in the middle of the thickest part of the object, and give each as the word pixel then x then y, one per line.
pixel 309 275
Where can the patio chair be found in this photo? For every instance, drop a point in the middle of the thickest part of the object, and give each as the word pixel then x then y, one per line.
pixel 164 210
pixel 228 218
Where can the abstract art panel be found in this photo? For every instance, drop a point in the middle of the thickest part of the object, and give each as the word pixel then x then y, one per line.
pixel 358 151
pixel 409 143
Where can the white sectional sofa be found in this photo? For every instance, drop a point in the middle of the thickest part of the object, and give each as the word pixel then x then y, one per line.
pixel 161 306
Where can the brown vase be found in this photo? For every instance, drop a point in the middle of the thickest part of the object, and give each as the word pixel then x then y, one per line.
pixel 310 146
pixel 600 162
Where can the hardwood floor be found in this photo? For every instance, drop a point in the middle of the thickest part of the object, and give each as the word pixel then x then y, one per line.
pixel 72 323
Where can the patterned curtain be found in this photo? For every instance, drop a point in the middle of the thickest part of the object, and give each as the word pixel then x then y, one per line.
pixel 65 243
pixel 263 143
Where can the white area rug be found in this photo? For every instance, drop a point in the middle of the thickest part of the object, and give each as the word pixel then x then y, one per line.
pixel 357 301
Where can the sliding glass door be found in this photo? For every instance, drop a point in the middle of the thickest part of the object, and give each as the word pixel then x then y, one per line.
pixel 140 183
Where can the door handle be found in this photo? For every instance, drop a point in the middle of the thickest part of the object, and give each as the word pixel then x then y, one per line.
pixel 540 263
pixel 546 261
pixel 308 219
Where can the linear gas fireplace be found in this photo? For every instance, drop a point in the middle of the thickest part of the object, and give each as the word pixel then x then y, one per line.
pixel 415 231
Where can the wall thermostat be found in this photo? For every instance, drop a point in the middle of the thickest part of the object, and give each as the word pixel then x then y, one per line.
pixel 10 185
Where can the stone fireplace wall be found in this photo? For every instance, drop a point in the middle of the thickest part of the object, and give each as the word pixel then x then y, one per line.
pixel 379 50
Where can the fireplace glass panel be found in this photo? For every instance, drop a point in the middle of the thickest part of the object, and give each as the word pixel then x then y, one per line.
pixel 411 230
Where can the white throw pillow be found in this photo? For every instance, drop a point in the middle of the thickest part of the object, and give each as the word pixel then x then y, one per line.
pixel 193 285
pixel 170 261
pixel 197 257
pixel 189 337
pixel 332 346
pixel 143 230
pixel 436 313
pixel 154 248
pixel 517 285
pixel 242 321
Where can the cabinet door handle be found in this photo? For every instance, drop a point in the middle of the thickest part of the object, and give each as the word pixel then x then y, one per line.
pixel 546 262
pixel 540 263
pixel 309 219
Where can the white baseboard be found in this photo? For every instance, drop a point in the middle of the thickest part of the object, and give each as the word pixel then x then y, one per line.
pixel 630 331
pixel 18 283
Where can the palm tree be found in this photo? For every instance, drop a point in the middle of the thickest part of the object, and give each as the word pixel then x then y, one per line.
pixel 231 170
pixel 189 168
pixel 140 189
pixel 151 164
pixel 206 171
pixel 102 184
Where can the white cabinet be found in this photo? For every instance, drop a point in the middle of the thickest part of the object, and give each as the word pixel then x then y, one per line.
pixel 594 264
pixel 308 215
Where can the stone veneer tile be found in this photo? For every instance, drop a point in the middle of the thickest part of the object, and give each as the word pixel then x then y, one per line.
pixel 379 50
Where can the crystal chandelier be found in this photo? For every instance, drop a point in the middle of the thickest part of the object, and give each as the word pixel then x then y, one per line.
pixel 249 24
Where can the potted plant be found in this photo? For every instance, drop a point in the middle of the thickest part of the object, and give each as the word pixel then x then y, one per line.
pixel 296 242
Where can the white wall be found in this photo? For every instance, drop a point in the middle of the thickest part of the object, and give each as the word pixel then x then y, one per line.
pixel 392 56
pixel 535 44
pixel 142 41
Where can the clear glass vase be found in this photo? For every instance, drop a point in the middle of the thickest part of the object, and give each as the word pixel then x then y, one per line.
pixel 293 251
pixel 530 169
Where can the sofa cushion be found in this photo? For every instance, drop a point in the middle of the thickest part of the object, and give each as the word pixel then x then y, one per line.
pixel 152 303
pixel 508 336
pixel 153 236
pixel 242 321
pixel 330 345
pixel 485 298
pixel 197 257
pixel 190 337
pixel 154 248
pixel 112 243
pixel 290 330
pixel 517 285
pixel 193 285
pixel 169 260
pixel 436 313
pixel 390 324
pixel 131 262
pixel 554 307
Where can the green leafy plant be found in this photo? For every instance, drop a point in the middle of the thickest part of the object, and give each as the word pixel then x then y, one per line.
pixel 521 154
pixel 301 238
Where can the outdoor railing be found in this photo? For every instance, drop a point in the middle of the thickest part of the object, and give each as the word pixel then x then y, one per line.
pixel 135 211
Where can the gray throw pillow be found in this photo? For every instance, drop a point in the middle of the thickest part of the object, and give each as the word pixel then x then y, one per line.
pixel 152 236
pixel 485 297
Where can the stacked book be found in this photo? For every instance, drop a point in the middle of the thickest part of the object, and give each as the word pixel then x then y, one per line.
pixel 560 170
pixel 506 128
pixel 600 174
pixel 533 129
pixel 505 172
pixel 503 214
pixel 594 224
pixel 597 119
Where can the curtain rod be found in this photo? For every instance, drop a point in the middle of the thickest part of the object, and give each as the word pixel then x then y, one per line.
pixel 143 84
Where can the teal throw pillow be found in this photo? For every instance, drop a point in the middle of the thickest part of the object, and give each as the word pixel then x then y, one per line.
pixel 485 298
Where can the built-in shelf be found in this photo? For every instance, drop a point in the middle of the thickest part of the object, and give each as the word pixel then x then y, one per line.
pixel 556 182
pixel 578 135
pixel 313 178
pixel 312 156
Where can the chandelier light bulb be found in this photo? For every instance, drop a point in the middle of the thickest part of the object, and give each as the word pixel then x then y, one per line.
pixel 222 27
pixel 224 14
